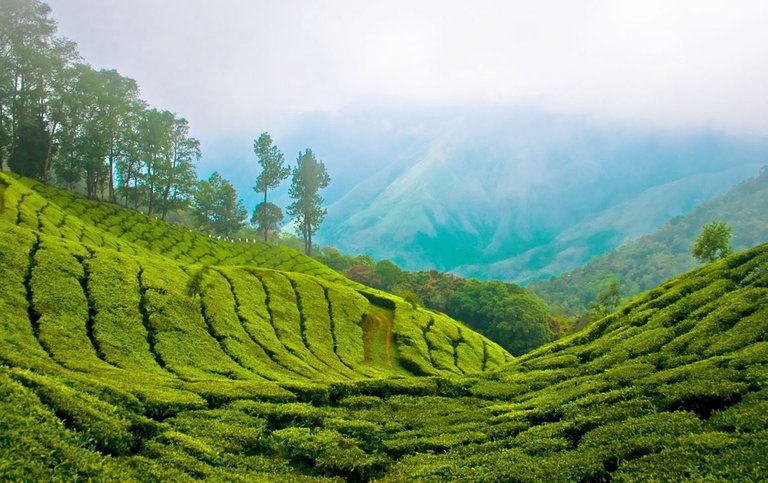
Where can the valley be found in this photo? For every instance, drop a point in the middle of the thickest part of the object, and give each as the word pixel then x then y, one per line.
pixel 383 241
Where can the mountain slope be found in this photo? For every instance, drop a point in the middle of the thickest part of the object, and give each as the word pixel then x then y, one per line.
pixel 671 386
pixel 521 194
pixel 646 262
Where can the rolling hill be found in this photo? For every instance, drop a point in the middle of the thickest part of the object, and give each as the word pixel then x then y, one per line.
pixel 646 262
pixel 121 288
pixel 134 350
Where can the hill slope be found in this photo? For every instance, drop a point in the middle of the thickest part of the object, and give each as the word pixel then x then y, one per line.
pixel 646 262
pixel 110 289
pixel 517 194
pixel 672 386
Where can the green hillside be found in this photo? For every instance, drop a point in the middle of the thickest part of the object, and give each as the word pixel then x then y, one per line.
pixel 124 358
pixel 652 259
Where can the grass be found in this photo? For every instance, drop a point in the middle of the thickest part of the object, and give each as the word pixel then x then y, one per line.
pixel 135 350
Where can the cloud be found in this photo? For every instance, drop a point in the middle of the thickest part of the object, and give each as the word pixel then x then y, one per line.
pixel 239 66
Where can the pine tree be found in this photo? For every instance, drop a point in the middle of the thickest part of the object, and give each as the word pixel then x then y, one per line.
pixel 309 176
pixel 267 215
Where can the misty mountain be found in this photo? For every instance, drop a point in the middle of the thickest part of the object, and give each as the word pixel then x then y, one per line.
pixel 665 253
pixel 516 194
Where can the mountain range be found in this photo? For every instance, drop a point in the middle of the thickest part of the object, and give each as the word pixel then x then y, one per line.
pixel 513 194
pixel 646 262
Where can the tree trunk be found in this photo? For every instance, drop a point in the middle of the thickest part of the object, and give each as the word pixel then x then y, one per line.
pixel 49 153
pixel 264 216
pixel 112 172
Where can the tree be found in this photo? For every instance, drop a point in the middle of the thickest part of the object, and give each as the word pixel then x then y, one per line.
pixel 388 273
pixel 120 101
pixel 273 172
pixel 216 206
pixel 32 62
pixel 607 300
pixel 506 313
pixel 309 176
pixel 267 216
pixel 713 243
pixel 177 173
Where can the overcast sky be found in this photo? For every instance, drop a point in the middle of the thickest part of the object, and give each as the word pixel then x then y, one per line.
pixel 236 67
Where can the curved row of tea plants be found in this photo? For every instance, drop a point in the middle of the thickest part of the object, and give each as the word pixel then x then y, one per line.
pixel 61 213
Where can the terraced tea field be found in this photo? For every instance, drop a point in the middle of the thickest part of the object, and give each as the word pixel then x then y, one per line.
pixel 111 288
pixel 135 350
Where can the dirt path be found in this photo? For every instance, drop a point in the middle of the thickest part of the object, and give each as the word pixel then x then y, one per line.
pixel 377 336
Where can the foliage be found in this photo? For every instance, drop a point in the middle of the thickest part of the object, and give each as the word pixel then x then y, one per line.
pixel 607 300
pixel 267 218
pixel 216 206
pixel 309 177
pixel 272 173
pixel 506 313
pixel 713 243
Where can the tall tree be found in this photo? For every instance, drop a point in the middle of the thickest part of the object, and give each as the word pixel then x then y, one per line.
pixel 32 60
pixel 713 243
pixel 130 165
pixel 178 171
pixel 119 103
pixel 268 216
pixel 309 176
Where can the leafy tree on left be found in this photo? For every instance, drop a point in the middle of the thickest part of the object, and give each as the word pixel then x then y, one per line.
pixel 87 128
pixel 32 65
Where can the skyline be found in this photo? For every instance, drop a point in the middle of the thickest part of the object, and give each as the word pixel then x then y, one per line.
pixel 239 68
pixel 231 69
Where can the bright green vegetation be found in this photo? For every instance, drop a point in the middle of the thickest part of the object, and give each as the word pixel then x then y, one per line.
pixel 123 357
pixel 713 243
pixel 113 288
pixel 648 261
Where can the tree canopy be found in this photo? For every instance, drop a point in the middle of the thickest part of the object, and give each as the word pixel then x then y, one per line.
pixel 309 177
pixel 267 216
pixel 217 208
pixel 713 243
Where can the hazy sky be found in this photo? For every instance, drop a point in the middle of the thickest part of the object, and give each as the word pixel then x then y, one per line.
pixel 242 65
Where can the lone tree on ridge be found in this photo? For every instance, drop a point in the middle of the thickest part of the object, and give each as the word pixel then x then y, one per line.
pixel 713 243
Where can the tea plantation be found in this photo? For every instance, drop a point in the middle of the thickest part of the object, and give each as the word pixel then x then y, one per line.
pixel 135 350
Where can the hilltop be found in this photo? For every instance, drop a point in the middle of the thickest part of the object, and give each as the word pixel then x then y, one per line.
pixel 124 357
pixel 648 261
